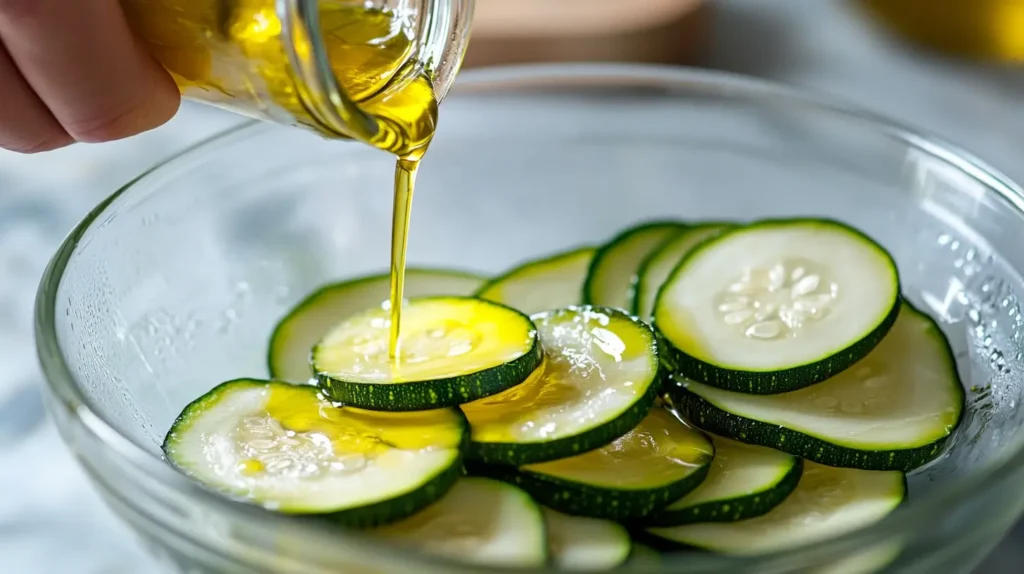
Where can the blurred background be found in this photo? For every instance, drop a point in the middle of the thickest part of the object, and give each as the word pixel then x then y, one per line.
pixel 951 67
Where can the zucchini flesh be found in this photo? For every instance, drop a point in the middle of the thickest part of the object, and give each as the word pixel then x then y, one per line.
pixel 599 378
pixel 658 461
pixel 827 502
pixel 777 305
pixel 893 410
pixel 283 447
pixel 479 521
pixel 744 481
pixel 580 543
pixel 451 350
pixel 550 283
pixel 613 272
pixel 655 270
pixel 308 321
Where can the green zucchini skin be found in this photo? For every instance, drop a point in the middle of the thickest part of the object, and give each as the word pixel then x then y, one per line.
pixel 713 419
pixel 713 228
pixel 518 454
pixel 578 499
pixel 404 506
pixel 425 395
pixel 333 303
pixel 436 393
pixel 375 514
pixel 523 271
pixel 666 229
pixel 779 380
pixel 709 417
pixel 733 509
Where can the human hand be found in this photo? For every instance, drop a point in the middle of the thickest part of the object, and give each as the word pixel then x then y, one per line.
pixel 71 70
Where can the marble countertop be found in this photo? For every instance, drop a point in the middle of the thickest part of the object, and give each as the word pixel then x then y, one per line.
pixel 51 522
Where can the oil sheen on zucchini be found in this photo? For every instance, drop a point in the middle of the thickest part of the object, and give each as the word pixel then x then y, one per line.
pixel 310 319
pixel 657 267
pixel 479 521
pixel 744 481
pixel 283 447
pixel 612 276
pixel 452 350
pixel 599 378
pixel 893 410
pixel 827 502
pixel 777 305
pixel 658 461
pixel 581 543
pixel 550 283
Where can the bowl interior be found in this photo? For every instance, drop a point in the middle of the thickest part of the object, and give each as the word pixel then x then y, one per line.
pixel 178 282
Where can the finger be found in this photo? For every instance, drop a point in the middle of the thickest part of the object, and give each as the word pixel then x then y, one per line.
pixel 26 125
pixel 83 61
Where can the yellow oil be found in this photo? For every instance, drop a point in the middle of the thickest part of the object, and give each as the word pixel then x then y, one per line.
pixel 357 431
pixel 981 29
pixel 233 54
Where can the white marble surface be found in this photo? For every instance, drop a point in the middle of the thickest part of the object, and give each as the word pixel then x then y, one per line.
pixel 51 522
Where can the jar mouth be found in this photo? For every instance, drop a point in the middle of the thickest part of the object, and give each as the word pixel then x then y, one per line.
pixel 438 51
pixel 72 407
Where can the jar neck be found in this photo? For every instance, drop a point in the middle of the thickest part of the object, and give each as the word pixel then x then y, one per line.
pixel 441 35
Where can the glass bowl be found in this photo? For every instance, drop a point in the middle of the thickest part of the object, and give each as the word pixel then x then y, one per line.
pixel 174 283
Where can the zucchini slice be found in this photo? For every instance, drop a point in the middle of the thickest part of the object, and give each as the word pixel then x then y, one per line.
pixel 644 558
pixel 580 543
pixel 295 335
pixel 744 481
pixel 827 502
pixel 549 283
pixel 452 350
pixel 893 410
pixel 599 378
pixel 283 447
pixel 612 276
pixel 658 461
pixel 655 270
pixel 479 521
pixel 777 305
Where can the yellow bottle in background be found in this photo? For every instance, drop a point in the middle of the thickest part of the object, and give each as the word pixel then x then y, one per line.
pixel 980 29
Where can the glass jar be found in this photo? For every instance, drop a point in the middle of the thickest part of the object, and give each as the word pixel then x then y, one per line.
pixel 343 68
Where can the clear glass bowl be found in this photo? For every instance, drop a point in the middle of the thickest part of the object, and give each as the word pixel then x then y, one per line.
pixel 174 283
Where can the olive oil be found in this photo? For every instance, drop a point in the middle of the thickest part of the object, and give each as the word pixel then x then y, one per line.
pixel 235 54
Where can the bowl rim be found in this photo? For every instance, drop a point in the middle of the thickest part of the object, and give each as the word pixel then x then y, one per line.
pixel 76 408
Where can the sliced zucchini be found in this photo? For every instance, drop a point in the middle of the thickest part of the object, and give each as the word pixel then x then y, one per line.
pixel 744 481
pixel 777 305
pixel 452 350
pixel 550 283
pixel 295 335
pixel 283 447
pixel 580 543
pixel 658 461
pixel 657 267
pixel 479 521
pixel 599 378
pixel 612 276
pixel 827 502
pixel 893 410
pixel 644 557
